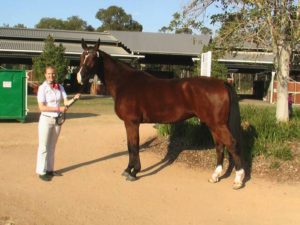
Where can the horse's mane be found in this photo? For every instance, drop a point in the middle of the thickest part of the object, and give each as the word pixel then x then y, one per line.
pixel 129 67
pixel 123 65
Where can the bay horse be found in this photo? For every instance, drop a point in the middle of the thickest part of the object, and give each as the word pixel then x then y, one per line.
pixel 142 98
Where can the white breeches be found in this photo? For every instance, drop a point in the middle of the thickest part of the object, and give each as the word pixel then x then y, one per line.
pixel 48 135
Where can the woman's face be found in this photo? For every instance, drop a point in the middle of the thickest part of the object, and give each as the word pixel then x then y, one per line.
pixel 50 74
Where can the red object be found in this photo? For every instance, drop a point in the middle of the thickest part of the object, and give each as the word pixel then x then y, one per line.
pixel 55 85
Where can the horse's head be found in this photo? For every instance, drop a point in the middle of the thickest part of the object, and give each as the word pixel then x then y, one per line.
pixel 89 63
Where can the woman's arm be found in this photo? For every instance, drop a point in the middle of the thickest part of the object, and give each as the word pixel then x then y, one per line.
pixel 71 101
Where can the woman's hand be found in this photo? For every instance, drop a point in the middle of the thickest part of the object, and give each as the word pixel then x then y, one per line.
pixel 77 96
pixel 68 103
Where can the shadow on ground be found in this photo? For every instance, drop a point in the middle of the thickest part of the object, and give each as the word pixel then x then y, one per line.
pixel 197 146
pixel 193 147
pixel 103 158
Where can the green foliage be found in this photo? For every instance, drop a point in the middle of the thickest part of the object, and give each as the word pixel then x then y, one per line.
pixel 20 25
pixel 192 132
pixel 261 134
pixel 218 70
pixel 181 24
pixel 72 23
pixel 50 23
pixel 263 26
pixel 115 18
pixel 75 23
pixel 86 105
pixel 270 137
pixel 51 55
pixel 15 66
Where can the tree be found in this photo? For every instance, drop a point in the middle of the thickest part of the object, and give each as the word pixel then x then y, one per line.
pixel 75 23
pixel 20 25
pixel 218 70
pixel 72 23
pixel 50 23
pixel 51 55
pixel 181 24
pixel 115 18
pixel 271 25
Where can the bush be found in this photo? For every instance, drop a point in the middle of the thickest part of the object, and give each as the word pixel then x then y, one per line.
pixel 192 132
pixel 261 134
pixel 272 138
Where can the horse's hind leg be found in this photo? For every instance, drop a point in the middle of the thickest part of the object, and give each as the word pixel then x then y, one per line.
pixel 220 158
pixel 223 135
pixel 134 165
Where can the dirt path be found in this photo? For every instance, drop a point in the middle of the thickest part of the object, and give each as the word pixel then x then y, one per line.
pixel 91 154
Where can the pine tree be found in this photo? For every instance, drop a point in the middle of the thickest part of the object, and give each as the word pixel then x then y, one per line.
pixel 52 55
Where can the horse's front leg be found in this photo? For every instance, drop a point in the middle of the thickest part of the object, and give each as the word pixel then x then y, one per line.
pixel 133 139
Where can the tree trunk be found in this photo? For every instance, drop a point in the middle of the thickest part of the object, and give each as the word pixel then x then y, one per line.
pixel 283 57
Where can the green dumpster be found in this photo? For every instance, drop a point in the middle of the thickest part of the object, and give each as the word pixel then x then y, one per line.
pixel 13 94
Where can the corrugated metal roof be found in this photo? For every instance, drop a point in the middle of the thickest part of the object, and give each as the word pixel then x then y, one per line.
pixel 71 48
pixel 249 57
pixel 56 34
pixel 31 41
pixel 161 43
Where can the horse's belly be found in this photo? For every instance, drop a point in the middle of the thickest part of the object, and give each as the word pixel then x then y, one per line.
pixel 154 112
pixel 166 115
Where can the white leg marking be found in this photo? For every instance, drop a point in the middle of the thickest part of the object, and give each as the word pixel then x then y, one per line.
pixel 79 77
pixel 239 179
pixel 216 174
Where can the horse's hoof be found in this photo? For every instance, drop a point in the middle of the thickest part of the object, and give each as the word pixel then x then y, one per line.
pixel 237 186
pixel 125 174
pixel 131 178
pixel 216 174
pixel 238 180
pixel 213 180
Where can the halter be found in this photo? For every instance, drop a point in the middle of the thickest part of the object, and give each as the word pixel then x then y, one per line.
pixel 88 52
pixel 100 61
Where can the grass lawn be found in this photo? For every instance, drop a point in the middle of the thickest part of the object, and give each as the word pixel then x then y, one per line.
pixel 87 103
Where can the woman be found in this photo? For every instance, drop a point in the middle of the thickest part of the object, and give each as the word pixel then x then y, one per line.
pixel 290 104
pixel 49 97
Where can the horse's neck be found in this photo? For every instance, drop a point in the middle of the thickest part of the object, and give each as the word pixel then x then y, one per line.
pixel 115 74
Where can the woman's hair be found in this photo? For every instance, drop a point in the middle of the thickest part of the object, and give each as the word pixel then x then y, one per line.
pixel 50 66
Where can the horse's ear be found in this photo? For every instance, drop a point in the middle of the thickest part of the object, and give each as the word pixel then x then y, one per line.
pixel 83 44
pixel 97 45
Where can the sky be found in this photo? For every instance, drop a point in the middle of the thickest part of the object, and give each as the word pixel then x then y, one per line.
pixel 152 14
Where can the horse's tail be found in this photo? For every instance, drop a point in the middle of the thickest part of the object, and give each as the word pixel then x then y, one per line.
pixel 234 120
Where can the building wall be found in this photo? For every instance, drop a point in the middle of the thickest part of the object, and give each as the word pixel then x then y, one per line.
pixel 293 88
